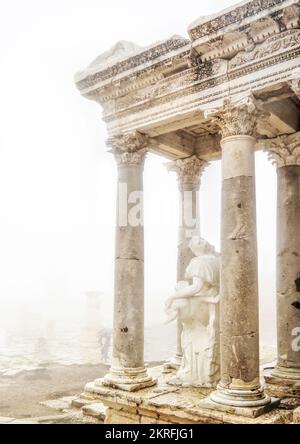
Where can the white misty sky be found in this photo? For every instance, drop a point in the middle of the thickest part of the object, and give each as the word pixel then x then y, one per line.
pixel 57 183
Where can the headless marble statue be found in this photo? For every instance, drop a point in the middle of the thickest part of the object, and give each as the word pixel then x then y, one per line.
pixel 196 304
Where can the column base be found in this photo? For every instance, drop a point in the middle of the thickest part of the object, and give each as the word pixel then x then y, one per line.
pixel 246 412
pixel 283 381
pixel 174 363
pixel 286 373
pixel 240 398
pixel 127 379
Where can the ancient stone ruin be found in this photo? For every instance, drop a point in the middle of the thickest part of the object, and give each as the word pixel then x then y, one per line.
pixel 231 88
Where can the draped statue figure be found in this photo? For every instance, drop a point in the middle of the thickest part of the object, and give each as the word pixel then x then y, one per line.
pixel 196 304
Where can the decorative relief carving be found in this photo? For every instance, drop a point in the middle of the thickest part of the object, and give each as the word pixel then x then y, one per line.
pixel 284 150
pixel 162 87
pixel 262 29
pixel 291 17
pixel 236 15
pixel 237 118
pixel 129 148
pixel 134 98
pixel 130 85
pixel 210 68
pixel 142 57
pixel 166 85
pixel 224 47
pixel 189 170
pixel 279 42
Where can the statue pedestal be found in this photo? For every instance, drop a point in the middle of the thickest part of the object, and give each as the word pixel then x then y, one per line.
pixel 165 404
pixel 174 363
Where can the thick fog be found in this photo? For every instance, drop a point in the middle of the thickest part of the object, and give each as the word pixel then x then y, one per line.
pixel 58 183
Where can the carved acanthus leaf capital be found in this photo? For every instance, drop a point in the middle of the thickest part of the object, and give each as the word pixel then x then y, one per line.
pixel 236 118
pixel 189 170
pixel 129 148
pixel 283 150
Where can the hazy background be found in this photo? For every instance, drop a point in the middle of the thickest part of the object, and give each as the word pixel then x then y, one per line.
pixel 58 183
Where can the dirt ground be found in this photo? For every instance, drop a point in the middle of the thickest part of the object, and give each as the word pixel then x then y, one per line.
pixel 20 395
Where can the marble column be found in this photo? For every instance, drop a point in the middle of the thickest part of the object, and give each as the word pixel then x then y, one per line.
pixel 128 370
pixel 239 323
pixel 189 171
pixel 285 152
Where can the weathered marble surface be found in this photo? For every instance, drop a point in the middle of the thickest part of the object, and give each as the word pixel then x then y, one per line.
pixel 166 88
pixel 189 171
pixel 196 305
pixel 284 151
pixel 165 404
pixel 296 418
pixel 228 88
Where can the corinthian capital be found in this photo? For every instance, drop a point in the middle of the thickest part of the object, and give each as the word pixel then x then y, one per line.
pixel 283 150
pixel 189 170
pixel 129 148
pixel 236 118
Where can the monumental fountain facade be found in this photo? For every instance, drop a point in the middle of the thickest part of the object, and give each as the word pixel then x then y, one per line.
pixel 231 88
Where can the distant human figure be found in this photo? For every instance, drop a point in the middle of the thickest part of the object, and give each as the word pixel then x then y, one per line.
pixel 104 339
pixel 197 307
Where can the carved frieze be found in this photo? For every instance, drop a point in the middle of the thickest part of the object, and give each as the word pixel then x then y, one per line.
pixel 211 68
pixel 150 54
pixel 279 42
pixel 159 89
pixel 291 17
pixel 169 81
pixel 134 98
pixel 237 15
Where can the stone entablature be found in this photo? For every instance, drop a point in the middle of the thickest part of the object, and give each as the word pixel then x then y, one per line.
pixel 240 26
pixel 168 86
pixel 144 60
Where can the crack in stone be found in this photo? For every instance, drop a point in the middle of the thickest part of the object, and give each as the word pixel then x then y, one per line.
pixel 251 333
pixel 129 259
pixel 238 234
